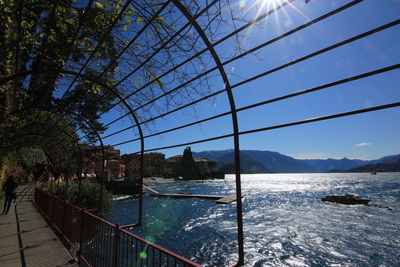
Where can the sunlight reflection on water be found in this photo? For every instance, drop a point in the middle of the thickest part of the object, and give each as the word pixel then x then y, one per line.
pixel 285 223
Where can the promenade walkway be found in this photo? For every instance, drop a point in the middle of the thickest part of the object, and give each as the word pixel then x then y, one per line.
pixel 26 238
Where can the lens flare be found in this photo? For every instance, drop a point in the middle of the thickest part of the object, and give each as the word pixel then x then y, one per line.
pixel 143 255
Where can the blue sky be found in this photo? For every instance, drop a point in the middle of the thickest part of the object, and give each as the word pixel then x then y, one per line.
pixel 364 136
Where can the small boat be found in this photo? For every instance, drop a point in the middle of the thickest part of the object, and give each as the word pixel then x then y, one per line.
pixel 373 173
pixel 348 199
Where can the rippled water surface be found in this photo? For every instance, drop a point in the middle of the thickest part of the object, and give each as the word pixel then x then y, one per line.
pixel 285 223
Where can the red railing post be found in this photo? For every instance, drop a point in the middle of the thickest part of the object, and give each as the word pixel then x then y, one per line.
pixel 81 236
pixel 116 245
pixel 53 209
pixel 63 217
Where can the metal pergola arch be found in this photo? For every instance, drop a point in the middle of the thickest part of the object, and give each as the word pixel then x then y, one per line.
pixel 210 47
pixel 44 133
pixel 125 104
pixel 60 142
pixel 75 140
pixel 46 147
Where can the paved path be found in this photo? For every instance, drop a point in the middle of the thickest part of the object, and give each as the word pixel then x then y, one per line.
pixel 26 238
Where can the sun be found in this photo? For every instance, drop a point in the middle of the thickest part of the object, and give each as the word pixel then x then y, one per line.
pixel 268 4
pixel 262 4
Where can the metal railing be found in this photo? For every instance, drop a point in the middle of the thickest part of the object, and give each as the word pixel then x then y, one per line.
pixel 101 248
pixel 97 242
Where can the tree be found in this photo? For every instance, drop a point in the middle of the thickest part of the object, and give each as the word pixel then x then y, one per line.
pixel 33 135
pixel 40 36
pixel 188 169
pixel 53 38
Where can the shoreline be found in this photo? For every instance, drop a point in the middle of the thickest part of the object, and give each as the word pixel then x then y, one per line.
pixel 149 180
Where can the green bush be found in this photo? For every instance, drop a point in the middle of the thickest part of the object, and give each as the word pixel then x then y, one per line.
pixel 90 195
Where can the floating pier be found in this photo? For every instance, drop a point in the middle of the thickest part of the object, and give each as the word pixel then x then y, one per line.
pixel 145 186
pixel 227 199
pixel 188 195
pixel 219 198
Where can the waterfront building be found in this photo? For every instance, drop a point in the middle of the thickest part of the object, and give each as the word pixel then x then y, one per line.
pixel 154 164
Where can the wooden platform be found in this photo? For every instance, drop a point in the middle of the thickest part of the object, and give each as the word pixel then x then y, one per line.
pixel 145 186
pixel 227 199
pixel 26 239
pixel 219 199
pixel 188 195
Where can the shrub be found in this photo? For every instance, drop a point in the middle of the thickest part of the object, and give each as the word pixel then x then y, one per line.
pixel 90 195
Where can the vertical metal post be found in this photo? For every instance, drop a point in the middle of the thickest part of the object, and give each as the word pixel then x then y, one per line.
pixel 81 236
pixel 102 175
pixel 63 217
pixel 66 189
pixel 53 212
pixel 79 173
pixel 116 245
pixel 235 125
pixel 141 185
pixel 67 177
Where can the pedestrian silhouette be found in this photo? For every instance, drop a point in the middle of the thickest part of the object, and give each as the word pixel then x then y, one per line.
pixel 9 187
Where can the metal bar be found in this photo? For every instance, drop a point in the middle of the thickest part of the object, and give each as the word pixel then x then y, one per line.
pixel 302 92
pixel 326 49
pixel 81 233
pixel 338 115
pixel 101 142
pixel 383 27
pixel 235 125
pixel 252 22
pixel 66 132
pixel 125 256
pixel 63 217
pixel 55 140
pixel 148 23
pixel 167 252
pixel 102 253
pixel 159 258
pixel 153 261
pixel 136 251
pixel 165 43
pixel 107 32
pixel 131 42
pixel 303 26
pixel 154 53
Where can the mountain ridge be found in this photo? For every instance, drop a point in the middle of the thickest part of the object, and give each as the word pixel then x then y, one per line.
pixel 261 161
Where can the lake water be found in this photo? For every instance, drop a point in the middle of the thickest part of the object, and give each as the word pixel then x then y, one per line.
pixel 285 223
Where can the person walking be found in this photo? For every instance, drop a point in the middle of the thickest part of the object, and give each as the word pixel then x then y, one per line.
pixel 9 187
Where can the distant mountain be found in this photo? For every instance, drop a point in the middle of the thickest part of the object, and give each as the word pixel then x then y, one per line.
pixel 278 162
pixel 387 159
pixel 212 154
pixel 344 164
pixel 254 161
pixel 326 165
pixel 247 164
pixel 384 166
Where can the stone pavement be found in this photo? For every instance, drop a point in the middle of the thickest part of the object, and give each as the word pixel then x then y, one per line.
pixel 25 237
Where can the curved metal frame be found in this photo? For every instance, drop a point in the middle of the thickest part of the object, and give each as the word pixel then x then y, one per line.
pixel 102 149
pixel 51 136
pixel 43 146
pixel 94 81
pixel 239 213
pixel 78 172
pixel 210 47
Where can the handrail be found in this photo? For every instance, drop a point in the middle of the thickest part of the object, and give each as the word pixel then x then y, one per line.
pixel 95 239
pixel 160 248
